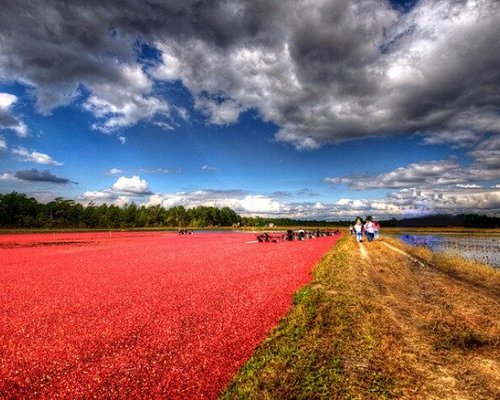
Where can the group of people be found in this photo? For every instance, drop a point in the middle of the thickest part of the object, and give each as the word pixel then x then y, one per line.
pixel 369 228
pixel 185 231
pixel 300 234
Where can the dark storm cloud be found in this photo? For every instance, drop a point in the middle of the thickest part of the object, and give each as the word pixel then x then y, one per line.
pixel 323 71
pixel 34 175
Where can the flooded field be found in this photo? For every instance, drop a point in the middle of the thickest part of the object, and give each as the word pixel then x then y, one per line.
pixel 484 249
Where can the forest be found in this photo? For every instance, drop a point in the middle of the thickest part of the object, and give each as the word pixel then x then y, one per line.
pixel 17 210
pixel 20 211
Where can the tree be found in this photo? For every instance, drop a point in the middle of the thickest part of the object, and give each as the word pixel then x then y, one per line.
pixel 16 209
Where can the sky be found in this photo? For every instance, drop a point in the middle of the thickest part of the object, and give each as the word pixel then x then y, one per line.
pixel 308 109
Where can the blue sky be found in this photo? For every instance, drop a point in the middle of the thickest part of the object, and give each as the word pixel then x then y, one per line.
pixel 324 109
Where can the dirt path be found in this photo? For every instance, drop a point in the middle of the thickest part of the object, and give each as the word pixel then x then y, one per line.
pixel 444 333
pixel 362 251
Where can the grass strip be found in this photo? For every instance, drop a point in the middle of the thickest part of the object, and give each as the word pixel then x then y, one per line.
pixel 321 349
pixel 382 327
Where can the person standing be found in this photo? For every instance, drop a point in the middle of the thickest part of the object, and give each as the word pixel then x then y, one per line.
pixel 358 229
pixel 369 228
pixel 376 229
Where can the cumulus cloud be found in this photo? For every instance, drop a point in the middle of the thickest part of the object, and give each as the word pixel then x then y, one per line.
pixel 487 157
pixel 327 71
pixel 431 174
pixel 406 202
pixel 239 200
pixel 224 112
pixel 7 177
pixel 322 71
pixel 71 50
pixel 34 175
pixel 134 185
pixel 458 200
pixel 123 191
pixel 99 195
pixel 34 156
pixel 117 105
pixel 403 203
pixel 7 119
pixel 259 204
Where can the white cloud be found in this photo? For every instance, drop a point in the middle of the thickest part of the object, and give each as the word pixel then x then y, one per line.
pixel 456 201
pixel 122 201
pixel 115 171
pixel 7 119
pixel 34 156
pixel 342 202
pixel 213 198
pixel 6 100
pixel 7 177
pixel 123 191
pixel 183 113
pixel 338 180
pixel 425 174
pixel 207 168
pixel 469 186
pixel 164 125
pixel 134 185
pixel 3 143
pixel 402 203
pixel 97 195
pixel 109 196
pixel 156 171
pixel 259 204
pixel 125 103
pixel 219 113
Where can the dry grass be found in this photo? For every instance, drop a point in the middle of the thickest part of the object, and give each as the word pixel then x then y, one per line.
pixel 383 327
pixel 474 272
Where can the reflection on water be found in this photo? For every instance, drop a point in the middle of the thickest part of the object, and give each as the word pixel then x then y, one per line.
pixel 482 249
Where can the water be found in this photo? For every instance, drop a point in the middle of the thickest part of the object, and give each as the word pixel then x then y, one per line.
pixel 483 249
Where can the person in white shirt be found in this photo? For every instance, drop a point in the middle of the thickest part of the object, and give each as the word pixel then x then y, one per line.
pixel 358 229
pixel 369 229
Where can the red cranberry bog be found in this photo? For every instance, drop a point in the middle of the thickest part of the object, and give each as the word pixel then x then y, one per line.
pixel 140 315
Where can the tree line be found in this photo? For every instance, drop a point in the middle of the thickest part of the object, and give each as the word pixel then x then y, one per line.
pixel 20 211
pixel 446 220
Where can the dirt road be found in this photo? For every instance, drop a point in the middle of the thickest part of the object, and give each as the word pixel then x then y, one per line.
pixel 439 329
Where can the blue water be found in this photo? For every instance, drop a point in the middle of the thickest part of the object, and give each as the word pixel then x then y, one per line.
pixel 484 249
pixel 432 242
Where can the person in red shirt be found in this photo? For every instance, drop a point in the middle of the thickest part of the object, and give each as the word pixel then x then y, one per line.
pixel 376 230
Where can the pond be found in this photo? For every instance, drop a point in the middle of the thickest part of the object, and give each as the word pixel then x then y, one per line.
pixel 484 249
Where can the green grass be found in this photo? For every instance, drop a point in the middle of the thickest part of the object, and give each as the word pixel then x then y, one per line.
pixel 305 357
